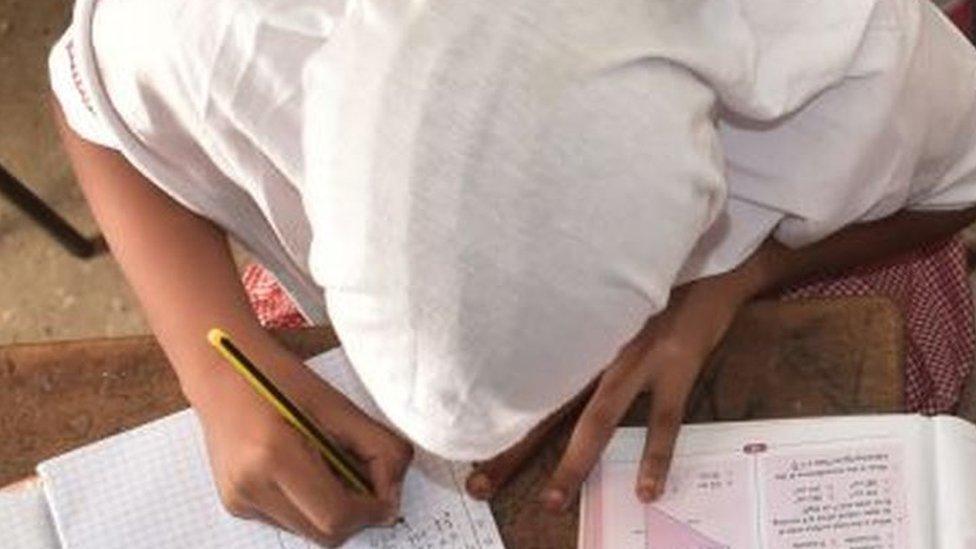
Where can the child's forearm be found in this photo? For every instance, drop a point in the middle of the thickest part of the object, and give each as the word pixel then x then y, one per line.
pixel 179 264
pixel 181 268
pixel 775 266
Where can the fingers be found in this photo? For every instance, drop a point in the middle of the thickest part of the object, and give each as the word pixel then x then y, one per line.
pixel 279 510
pixel 287 483
pixel 614 393
pixel 487 477
pixel 663 424
pixel 265 469
pixel 669 396
pixel 387 467
pixel 384 454
pixel 491 475
pixel 331 508
pixel 252 497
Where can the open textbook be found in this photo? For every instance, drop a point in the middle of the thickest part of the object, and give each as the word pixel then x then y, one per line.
pixel 151 487
pixel 863 482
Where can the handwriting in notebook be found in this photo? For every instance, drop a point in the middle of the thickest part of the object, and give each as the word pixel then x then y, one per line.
pixel 444 516
pixel 443 529
pixel 152 487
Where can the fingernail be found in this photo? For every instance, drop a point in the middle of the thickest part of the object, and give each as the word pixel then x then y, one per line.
pixel 553 499
pixel 479 486
pixel 646 490
pixel 658 489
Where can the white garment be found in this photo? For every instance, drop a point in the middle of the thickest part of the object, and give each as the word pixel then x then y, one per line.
pixel 496 195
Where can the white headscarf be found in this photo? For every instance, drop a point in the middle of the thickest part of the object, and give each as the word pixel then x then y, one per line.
pixel 496 195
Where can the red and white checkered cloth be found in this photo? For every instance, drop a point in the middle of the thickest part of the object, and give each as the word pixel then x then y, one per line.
pixel 930 286
pixel 272 305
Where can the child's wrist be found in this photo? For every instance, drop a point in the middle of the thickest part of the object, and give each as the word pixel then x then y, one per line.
pixel 201 381
pixel 205 374
pixel 766 270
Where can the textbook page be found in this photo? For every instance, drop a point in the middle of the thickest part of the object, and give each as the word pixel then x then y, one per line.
pixel 152 487
pixel 955 449
pixel 24 519
pixel 839 483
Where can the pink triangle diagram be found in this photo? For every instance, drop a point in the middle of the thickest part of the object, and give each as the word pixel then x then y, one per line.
pixel 666 532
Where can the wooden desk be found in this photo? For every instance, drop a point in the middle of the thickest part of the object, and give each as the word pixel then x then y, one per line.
pixel 779 360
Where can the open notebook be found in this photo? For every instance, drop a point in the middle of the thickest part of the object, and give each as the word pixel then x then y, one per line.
pixel 862 482
pixel 151 487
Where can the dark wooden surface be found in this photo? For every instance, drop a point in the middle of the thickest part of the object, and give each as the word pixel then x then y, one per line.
pixel 780 360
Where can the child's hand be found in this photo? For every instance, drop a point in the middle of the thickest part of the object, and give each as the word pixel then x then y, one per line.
pixel 664 358
pixel 265 469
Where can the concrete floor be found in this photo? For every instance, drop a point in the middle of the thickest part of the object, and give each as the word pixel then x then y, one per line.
pixel 46 293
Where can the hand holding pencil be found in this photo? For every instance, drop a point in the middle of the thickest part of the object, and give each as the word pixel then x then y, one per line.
pixel 267 468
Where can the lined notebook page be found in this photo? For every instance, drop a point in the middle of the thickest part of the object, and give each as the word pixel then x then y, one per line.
pixel 151 487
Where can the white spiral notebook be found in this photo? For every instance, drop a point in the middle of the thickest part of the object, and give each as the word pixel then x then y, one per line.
pixel 152 487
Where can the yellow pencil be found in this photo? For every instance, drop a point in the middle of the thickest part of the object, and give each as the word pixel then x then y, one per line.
pixel 333 454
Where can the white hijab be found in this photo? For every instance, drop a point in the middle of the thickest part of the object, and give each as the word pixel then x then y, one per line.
pixel 494 196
